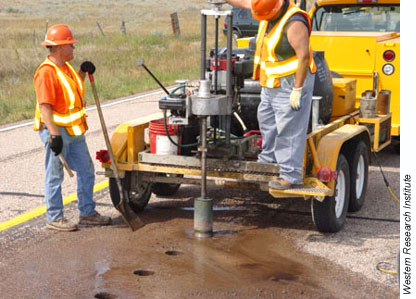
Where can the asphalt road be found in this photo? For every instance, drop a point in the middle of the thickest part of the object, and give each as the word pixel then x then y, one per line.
pixel 262 247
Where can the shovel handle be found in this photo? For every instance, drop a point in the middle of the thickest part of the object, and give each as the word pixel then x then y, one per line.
pixel 68 170
pixel 104 129
pixel 126 212
pixel 61 157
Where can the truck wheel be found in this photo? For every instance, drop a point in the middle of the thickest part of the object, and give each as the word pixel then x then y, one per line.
pixel 359 177
pixel 166 189
pixel 138 192
pixel 329 215
pixel 236 34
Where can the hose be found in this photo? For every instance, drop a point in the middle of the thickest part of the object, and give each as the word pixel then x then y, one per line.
pixel 166 125
pixel 385 180
pixel 177 88
pixel 243 126
pixel 170 138
pixel 379 265
pixel 379 268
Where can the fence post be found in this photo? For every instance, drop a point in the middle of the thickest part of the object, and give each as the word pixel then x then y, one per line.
pixel 99 27
pixel 123 27
pixel 175 24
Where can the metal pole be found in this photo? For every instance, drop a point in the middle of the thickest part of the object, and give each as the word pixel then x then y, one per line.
pixel 203 45
pixel 203 214
pixel 204 157
pixel 216 57
pixel 229 78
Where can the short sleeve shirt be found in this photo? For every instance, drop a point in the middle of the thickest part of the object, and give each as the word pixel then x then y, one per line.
pixel 48 88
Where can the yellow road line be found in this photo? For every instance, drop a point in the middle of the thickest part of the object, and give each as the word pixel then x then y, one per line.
pixel 42 210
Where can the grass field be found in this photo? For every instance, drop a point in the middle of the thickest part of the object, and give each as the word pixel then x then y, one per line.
pixel 148 35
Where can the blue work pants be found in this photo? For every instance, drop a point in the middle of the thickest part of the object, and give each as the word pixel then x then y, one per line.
pixel 76 154
pixel 284 130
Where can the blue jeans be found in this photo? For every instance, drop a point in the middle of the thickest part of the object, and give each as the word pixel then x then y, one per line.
pixel 75 152
pixel 284 130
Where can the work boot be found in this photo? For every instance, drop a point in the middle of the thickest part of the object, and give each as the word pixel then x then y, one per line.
pixel 62 225
pixel 282 184
pixel 94 219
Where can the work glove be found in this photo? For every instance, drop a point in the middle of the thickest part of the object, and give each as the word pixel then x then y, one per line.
pixel 56 144
pixel 295 99
pixel 88 67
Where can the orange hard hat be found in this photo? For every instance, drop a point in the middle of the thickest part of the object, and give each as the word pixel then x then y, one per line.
pixel 265 9
pixel 58 35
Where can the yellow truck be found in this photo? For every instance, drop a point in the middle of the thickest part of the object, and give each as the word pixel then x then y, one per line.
pixel 208 135
pixel 361 40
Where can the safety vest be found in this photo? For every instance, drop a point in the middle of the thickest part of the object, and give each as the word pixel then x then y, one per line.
pixel 267 67
pixel 74 117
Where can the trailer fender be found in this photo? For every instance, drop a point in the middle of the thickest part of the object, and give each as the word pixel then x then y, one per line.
pixel 128 139
pixel 331 145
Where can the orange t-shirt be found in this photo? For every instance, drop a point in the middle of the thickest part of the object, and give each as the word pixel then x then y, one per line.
pixel 49 89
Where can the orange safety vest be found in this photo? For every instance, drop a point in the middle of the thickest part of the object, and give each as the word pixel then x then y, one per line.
pixel 74 117
pixel 267 67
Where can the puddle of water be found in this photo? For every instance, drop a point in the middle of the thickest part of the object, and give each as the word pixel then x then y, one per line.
pixel 217 233
pixel 101 267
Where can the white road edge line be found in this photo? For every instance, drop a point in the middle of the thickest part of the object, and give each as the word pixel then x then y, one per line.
pixel 92 107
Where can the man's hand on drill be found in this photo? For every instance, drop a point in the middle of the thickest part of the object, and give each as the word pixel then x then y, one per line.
pixel 88 67
pixel 295 98
pixel 56 144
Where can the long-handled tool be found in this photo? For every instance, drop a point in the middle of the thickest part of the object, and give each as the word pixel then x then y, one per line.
pixel 129 216
pixel 140 62
pixel 61 157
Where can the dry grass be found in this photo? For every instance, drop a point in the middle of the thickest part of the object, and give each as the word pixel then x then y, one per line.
pixel 149 35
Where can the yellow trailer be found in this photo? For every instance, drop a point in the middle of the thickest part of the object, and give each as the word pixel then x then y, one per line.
pixel 341 148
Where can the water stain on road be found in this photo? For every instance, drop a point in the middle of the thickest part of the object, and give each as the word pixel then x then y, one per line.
pixel 165 260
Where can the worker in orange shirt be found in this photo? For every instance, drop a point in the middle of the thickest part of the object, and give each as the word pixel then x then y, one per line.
pixel 61 121
pixel 284 66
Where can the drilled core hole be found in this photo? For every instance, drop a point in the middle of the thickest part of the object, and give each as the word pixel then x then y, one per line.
pixel 104 295
pixel 173 252
pixel 282 276
pixel 143 272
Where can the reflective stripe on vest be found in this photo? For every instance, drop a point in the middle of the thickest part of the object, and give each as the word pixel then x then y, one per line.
pixel 267 67
pixel 74 117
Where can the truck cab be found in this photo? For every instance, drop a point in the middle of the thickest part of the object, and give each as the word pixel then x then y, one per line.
pixel 361 40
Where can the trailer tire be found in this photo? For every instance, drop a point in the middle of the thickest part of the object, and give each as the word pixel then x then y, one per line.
pixel 138 195
pixel 329 215
pixel 359 177
pixel 166 189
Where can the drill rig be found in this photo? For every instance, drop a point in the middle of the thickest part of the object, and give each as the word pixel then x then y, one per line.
pixel 217 140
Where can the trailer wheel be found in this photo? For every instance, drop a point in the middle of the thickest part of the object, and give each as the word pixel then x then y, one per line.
pixel 166 189
pixel 359 177
pixel 329 215
pixel 138 192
